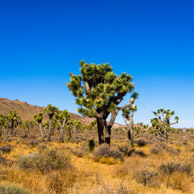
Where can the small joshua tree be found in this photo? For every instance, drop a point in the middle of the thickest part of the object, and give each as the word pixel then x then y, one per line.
pixel 91 145
pixel 70 126
pixel 161 123
pixel 4 124
pixel 14 120
pixel 77 126
pixel 128 119
pixel 93 126
pixel 50 111
pixel 39 117
pixel 62 119
pixel 2 121
pixel 99 92
pixel 29 125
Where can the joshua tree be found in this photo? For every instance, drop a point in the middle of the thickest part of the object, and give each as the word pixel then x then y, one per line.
pixel 70 125
pixel 77 126
pixel 162 124
pixel 92 127
pixel 50 111
pixel 62 118
pixel 128 119
pixel 39 118
pixel 29 125
pixel 14 120
pixel 2 120
pixel 99 92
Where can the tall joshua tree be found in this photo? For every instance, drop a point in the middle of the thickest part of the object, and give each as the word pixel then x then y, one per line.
pixel 162 122
pixel 62 119
pixel 99 92
pixel 128 119
pixel 39 117
pixel 50 111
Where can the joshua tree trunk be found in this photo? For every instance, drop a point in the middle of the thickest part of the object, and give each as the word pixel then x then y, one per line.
pixel 166 135
pixel 100 125
pixel 109 126
pixel 50 130
pixel 61 135
pixel 70 135
pixel 108 134
pixel 93 132
pixel 5 132
pixel 61 131
pixel 130 130
pixel 41 131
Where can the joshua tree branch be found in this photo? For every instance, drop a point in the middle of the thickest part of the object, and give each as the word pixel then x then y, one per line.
pixel 128 104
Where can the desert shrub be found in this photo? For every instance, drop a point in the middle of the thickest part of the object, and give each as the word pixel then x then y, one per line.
pixel 177 181
pixel 33 142
pixel 122 189
pixel 171 150
pixel 160 147
pixel 172 167
pixel 79 152
pixel 157 148
pixel 140 153
pixel 185 143
pixel 12 189
pixel 146 177
pixel 2 159
pixel 91 145
pixel 103 151
pixel 58 181
pixel 126 149
pixel 192 155
pixel 6 149
pixel 45 161
pixel 141 142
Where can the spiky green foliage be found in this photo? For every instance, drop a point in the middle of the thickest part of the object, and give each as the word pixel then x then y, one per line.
pixel 14 120
pixel 102 88
pixel 62 119
pixel 50 110
pixel 38 117
pixel 126 112
pixel 99 91
pixel 62 115
pixel 29 125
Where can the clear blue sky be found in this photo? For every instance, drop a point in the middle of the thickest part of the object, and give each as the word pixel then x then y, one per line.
pixel 41 41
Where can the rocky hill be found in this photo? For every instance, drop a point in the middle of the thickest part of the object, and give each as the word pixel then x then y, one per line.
pixel 27 111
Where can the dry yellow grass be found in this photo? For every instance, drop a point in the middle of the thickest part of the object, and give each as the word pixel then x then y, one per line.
pixel 88 176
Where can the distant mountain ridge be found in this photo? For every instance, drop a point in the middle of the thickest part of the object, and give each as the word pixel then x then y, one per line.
pixel 27 111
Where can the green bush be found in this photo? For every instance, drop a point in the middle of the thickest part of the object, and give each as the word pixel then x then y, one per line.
pixel 91 145
pixel 12 189
pixel 45 161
